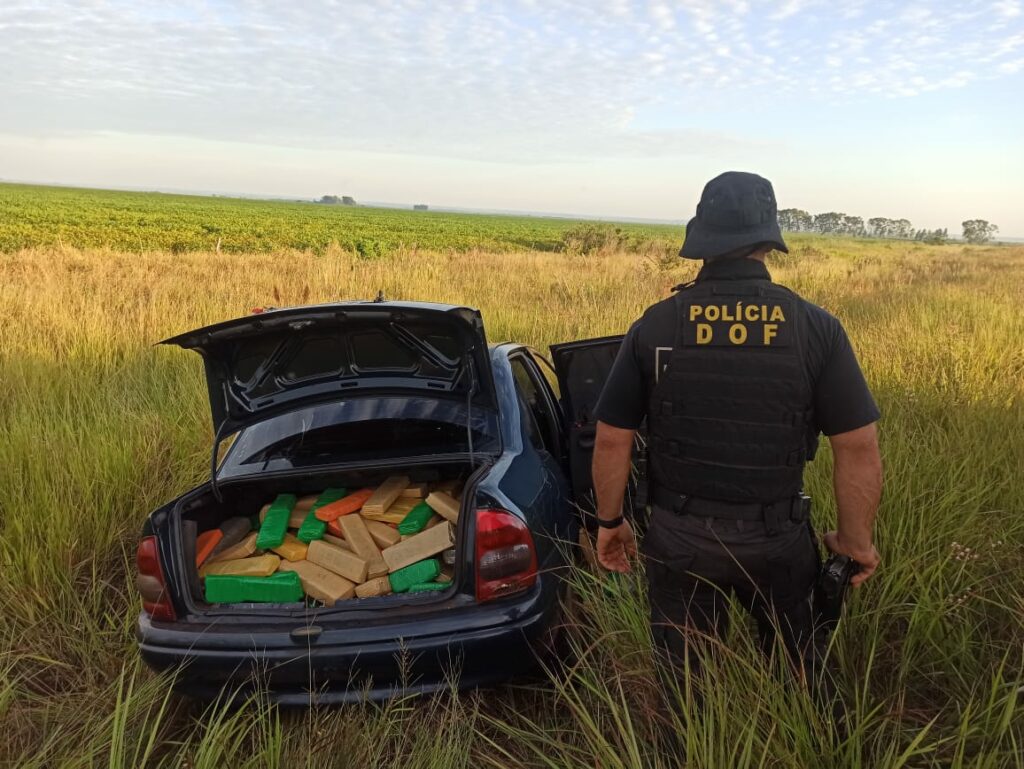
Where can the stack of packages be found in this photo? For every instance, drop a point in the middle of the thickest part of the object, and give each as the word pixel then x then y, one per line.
pixel 360 544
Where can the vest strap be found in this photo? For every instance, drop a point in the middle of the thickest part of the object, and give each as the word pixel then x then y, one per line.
pixel 796 508
pixel 673 448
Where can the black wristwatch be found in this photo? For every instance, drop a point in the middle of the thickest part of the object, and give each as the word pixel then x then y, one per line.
pixel 614 523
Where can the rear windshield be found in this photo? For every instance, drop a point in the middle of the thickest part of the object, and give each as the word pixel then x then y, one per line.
pixel 361 429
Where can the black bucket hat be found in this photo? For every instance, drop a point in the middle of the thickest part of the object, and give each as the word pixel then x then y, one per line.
pixel 736 209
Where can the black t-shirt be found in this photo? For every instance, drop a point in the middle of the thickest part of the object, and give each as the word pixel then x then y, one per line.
pixel 842 401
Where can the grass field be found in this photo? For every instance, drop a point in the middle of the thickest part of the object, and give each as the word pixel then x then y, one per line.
pixel 97 427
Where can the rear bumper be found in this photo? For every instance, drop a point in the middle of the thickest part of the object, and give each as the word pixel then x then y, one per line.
pixel 467 649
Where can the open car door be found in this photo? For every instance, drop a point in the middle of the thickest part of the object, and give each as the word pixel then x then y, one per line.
pixel 582 369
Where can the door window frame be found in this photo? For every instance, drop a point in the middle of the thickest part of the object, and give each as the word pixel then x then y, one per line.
pixel 552 432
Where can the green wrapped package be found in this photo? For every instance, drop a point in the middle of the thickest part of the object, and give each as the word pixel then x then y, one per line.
pixel 429 587
pixel 281 587
pixel 414 574
pixel 276 523
pixel 328 496
pixel 416 519
pixel 313 528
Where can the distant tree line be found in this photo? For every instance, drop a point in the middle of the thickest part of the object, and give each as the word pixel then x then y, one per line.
pixel 835 223
pixel 936 237
pixel 334 200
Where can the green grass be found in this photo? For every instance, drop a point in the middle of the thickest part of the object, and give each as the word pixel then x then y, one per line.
pixel 145 221
pixel 98 427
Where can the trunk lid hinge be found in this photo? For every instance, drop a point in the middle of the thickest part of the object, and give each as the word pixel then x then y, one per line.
pixel 469 403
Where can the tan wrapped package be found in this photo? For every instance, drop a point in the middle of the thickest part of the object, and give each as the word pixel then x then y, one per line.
pixel 394 514
pixel 319 583
pixel 292 549
pixel 336 541
pixel 243 549
pixel 303 504
pixel 423 545
pixel 363 544
pixel 374 587
pixel 416 490
pixel 444 505
pixel 333 558
pixel 257 566
pixel 382 534
pixel 385 494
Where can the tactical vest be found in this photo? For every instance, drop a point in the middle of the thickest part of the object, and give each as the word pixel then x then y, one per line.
pixel 730 417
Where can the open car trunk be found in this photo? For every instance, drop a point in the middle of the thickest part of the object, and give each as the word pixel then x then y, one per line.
pixel 241 516
pixel 403 388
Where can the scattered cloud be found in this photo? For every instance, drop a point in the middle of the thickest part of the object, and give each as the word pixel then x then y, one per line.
pixel 1007 9
pixel 538 78
pixel 789 8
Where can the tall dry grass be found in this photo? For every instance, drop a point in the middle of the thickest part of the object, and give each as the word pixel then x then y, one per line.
pixel 98 426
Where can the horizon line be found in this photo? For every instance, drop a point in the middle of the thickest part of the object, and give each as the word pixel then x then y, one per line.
pixel 609 218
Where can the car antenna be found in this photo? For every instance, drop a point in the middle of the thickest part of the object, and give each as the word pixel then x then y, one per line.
pixel 380 297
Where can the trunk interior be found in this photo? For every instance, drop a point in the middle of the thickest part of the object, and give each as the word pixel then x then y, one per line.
pixel 241 516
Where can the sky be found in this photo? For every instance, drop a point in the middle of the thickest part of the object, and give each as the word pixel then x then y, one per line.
pixel 613 108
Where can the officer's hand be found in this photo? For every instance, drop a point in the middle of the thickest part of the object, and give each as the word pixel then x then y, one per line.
pixel 615 547
pixel 868 558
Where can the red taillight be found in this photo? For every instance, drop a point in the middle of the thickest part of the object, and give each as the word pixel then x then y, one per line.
pixel 155 599
pixel 506 561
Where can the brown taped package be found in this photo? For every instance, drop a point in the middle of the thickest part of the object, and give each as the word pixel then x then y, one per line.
pixel 415 549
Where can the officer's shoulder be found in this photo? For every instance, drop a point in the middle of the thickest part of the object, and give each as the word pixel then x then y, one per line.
pixel 658 314
pixel 818 317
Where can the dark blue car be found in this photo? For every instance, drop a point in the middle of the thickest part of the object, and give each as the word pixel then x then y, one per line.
pixel 347 394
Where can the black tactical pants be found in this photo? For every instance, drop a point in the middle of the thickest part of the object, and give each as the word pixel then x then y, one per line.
pixel 693 565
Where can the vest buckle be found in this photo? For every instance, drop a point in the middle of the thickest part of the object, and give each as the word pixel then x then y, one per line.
pixel 772 515
pixel 800 508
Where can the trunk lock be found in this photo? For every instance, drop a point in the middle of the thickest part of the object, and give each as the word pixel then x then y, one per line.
pixel 306 633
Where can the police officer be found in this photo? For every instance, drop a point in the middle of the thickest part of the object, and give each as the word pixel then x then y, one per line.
pixel 737 376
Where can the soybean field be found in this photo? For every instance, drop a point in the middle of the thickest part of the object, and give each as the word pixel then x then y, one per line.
pixel 135 221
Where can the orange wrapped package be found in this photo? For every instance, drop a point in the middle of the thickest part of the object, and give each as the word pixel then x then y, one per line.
pixel 205 543
pixel 344 506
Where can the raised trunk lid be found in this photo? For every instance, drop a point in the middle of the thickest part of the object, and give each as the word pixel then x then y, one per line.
pixel 269 363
